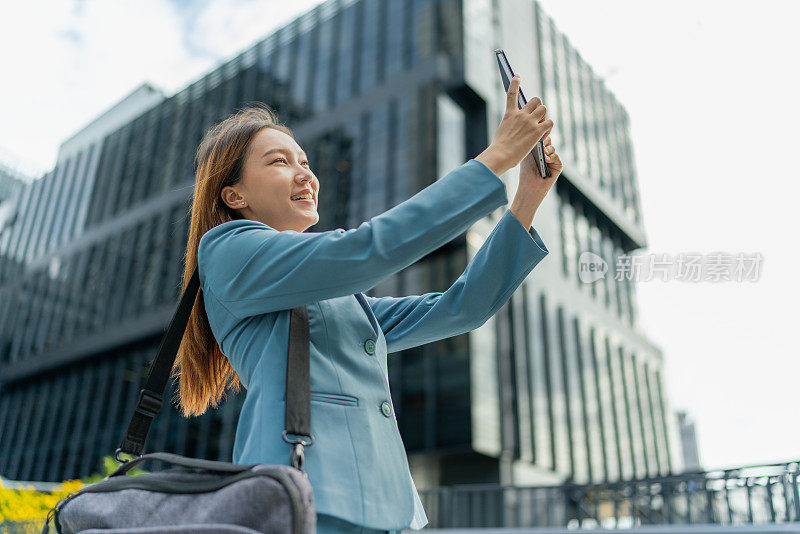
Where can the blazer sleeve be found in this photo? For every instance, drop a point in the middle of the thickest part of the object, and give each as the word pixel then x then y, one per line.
pixel 252 269
pixel 491 277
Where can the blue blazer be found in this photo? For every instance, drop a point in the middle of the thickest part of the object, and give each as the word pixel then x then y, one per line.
pixel 252 275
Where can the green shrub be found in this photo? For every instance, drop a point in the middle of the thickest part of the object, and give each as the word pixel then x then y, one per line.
pixel 28 504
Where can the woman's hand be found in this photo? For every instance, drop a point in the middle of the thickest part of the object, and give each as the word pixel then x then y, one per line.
pixel 532 186
pixel 529 177
pixel 518 133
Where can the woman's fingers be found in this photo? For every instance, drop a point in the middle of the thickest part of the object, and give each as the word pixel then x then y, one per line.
pixel 548 127
pixel 539 113
pixel 512 95
pixel 534 104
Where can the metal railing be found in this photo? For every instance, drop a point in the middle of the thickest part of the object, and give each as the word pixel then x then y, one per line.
pixel 754 495
pixel 742 496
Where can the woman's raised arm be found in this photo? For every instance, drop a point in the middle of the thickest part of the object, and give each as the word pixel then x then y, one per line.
pixel 254 269
pixel 491 277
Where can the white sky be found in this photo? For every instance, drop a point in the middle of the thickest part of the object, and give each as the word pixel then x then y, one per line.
pixel 713 84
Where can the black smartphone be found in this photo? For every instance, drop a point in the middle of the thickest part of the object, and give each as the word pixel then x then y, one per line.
pixel 506 73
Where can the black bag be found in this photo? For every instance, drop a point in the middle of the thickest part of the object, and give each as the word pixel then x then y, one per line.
pixel 202 495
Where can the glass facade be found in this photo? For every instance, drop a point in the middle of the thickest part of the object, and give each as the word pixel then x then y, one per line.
pixel 560 427
pixel 11 182
pixel 605 419
pixel 385 97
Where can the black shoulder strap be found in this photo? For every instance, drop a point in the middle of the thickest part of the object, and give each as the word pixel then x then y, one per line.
pixel 298 380
pixel 297 418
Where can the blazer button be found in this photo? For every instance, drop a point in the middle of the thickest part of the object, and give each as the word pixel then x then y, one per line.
pixel 386 408
pixel 369 346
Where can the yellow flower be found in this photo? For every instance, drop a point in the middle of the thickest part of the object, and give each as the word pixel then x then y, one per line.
pixel 71 485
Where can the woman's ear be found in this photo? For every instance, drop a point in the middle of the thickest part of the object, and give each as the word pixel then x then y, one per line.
pixel 231 198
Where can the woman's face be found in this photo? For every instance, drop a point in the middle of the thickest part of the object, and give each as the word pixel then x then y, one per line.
pixel 275 170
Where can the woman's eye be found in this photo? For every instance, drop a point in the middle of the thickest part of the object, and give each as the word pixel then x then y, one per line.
pixel 284 160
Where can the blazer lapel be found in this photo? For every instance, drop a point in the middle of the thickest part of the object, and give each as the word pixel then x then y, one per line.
pixel 370 315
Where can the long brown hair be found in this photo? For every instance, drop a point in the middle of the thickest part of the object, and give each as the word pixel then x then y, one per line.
pixel 204 374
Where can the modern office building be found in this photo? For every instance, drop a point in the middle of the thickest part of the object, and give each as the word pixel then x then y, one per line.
pixel 10 182
pixel 687 429
pixel 385 97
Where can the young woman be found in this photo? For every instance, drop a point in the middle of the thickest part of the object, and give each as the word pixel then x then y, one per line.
pixel 254 198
